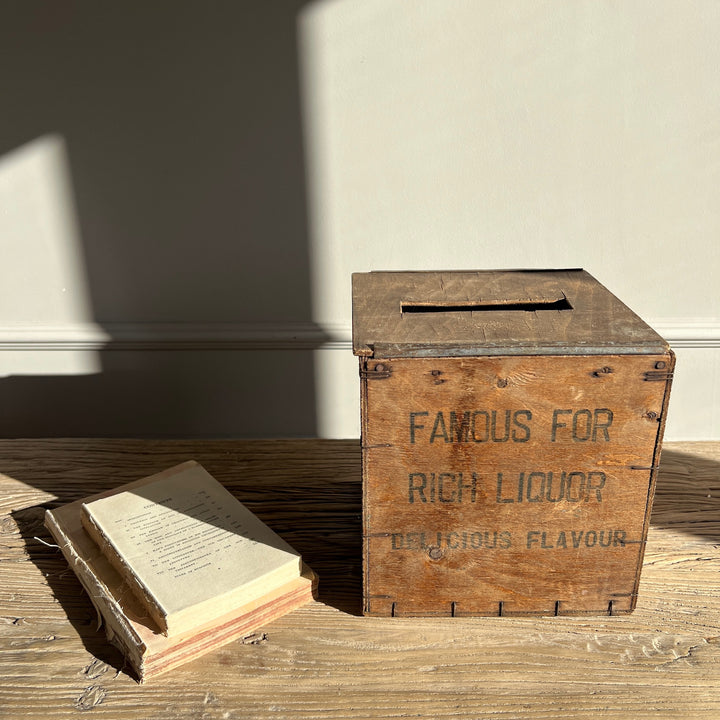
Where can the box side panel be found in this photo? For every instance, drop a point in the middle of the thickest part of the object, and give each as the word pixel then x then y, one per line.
pixel 508 485
pixel 662 373
pixel 364 419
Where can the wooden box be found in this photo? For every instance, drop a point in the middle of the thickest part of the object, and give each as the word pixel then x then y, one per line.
pixel 511 431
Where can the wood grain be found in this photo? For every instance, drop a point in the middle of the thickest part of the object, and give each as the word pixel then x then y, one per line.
pixel 325 660
pixel 508 485
pixel 493 312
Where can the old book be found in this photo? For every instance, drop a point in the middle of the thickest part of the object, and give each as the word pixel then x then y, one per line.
pixel 129 625
pixel 188 548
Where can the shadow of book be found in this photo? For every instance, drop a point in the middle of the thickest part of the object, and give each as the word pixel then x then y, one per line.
pixel 65 586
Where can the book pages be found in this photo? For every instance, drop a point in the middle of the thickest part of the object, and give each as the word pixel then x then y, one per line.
pixel 188 547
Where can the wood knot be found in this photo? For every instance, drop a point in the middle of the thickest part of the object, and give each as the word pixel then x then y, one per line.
pixel 435 553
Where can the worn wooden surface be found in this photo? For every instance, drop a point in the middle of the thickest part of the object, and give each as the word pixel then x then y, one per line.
pixel 326 660
pixel 408 314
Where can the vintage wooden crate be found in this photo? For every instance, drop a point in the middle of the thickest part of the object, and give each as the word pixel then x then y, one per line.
pixel 511 431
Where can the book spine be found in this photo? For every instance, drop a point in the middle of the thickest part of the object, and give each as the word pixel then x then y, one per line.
pixel 142 592
pixel 117 630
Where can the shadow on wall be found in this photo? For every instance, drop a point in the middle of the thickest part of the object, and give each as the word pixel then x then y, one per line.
pixel 181 123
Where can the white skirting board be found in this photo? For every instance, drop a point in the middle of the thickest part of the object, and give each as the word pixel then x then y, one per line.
pixel 248 380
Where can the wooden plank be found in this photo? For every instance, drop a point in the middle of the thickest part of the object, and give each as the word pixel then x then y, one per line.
pixel 493 311
pixel 325 660
pixel 508 485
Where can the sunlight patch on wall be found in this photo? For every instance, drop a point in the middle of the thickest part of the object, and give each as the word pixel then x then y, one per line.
pixel 44 298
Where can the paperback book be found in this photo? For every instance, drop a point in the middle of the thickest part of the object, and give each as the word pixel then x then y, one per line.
pixel 177 566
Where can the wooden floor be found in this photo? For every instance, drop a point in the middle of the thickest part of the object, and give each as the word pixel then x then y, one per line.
pixel 325 660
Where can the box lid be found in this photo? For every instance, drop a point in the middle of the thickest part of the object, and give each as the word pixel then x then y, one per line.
pixel 493 312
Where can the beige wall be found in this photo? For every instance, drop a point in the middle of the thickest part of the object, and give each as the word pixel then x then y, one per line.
pixel 185 192
pixel 525 134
